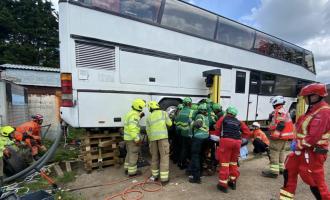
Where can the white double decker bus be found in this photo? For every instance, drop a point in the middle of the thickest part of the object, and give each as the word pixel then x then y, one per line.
pixel 113 51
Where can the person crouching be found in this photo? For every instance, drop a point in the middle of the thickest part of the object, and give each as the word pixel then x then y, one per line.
pixel 260 141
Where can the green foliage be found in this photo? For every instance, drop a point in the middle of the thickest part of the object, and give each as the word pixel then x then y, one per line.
pixel 67 178
pixel 29 33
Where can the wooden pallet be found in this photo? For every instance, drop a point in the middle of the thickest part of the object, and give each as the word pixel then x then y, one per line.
pixel 99 150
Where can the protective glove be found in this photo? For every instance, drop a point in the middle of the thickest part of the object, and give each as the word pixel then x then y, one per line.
pixel 6 153
pixel 142 114
pixel 293 145
pixel 198 124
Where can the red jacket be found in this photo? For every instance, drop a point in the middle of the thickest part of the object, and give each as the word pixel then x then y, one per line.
pixel 246 133
pixel 313 128
pixel 31 128
pixel 281 118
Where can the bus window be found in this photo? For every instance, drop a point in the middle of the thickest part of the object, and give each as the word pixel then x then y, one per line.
pixel 240 82
pixel 189 19
pixel 285 86
pixel 235 34
pixel 143 9
pixel 267 84
pixel 293 53
pixel 309 61
pixel 110 5
pixel 268 45
pixel 254 83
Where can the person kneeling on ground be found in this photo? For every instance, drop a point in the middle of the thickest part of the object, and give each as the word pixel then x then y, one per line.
pixel 260 141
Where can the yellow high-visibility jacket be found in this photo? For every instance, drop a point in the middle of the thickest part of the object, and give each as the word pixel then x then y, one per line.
pixel 157 123
pixel 132 126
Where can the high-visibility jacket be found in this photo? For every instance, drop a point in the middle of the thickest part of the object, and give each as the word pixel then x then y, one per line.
pixel 203 131
pixel 313 128
pixel 280 115
pixel 132 126
pixel 156 125
pixel 258 133
pixel 4 142
pixel 183 121
pixel 30 127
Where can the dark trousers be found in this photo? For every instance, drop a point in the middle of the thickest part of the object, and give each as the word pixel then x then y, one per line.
pixel 176 146
pixel 196 157
pixel 259 146
pixel 185 149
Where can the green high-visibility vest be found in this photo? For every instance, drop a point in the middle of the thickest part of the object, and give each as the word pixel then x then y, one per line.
pixel 156 125
pixel 132 126
pixel 183 121
pixel 202 132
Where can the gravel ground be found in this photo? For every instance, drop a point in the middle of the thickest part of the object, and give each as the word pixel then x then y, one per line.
pixel 251 185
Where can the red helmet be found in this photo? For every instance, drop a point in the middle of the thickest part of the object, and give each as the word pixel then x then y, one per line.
pixel 38 117
pixel 314 88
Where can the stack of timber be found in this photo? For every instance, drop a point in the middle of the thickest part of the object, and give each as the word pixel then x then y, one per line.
pixel 99 150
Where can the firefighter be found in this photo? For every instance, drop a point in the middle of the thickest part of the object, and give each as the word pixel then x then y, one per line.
pixel 132 136
pixel 260 141
pixel 199 137
pixel 156 126
pixel 310 147
pixel 281 129
pixel 31 135
pixel 182 123
pixel 229 128
pixel 5 141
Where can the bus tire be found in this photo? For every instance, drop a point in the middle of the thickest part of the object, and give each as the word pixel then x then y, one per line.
pixel 169 105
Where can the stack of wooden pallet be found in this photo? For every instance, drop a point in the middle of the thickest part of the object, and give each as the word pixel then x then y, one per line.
pixel 99 150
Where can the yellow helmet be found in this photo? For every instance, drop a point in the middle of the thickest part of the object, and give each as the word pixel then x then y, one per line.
pixel 138 104
pixel 153 105
pixel 6 130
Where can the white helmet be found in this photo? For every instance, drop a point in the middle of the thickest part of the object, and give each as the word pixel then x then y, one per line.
pixel 277 100
pixel 256 124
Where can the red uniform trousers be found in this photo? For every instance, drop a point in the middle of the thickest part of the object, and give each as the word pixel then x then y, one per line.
pixel 312 173
pixel 229 151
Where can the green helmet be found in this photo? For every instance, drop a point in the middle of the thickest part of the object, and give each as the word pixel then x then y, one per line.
pixel 202 107
pixel 194 106
pixel 232 110
pixel 216 106
pixel 180 106
pixel 187 100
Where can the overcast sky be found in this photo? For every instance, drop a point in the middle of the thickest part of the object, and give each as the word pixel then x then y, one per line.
pixel 303 22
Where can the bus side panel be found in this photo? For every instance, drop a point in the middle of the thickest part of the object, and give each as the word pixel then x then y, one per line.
pixel 265 107
pixel 105 109
pixel 148 70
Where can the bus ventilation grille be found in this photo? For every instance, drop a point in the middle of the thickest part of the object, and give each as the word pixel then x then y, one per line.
pixel 95 56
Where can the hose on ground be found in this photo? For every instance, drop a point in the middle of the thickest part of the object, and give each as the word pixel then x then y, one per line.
pixel 38 164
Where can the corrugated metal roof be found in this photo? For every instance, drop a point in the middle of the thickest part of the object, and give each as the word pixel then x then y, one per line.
pixel 28 67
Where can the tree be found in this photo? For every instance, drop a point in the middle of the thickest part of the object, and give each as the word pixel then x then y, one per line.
pixel 29 33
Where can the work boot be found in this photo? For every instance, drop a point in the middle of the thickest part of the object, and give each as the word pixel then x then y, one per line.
pixel 126 172
pixel 269 174
pixel 138 173
pixel 164 182
pixel 194 180
pixel 153 178
pixel 222 188
pixel 232 185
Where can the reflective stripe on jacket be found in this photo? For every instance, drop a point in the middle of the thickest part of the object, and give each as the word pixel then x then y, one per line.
pixel 313 128
pixel 183 121
pixel 202 132
pixel 132 126
pixel 281 115
pixel 4 142
pixel 156 125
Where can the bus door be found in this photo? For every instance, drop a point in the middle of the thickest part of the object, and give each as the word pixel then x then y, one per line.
pixel 252 111
pixel 239 98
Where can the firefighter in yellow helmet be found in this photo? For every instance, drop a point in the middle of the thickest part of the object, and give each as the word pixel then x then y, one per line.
pixel 5 141
pixel 131 136
pixel 156 125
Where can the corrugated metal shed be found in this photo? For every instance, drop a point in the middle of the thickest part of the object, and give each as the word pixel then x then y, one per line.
pixel 31 75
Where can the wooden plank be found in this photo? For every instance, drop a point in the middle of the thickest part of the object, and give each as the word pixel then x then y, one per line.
pixel 97 136
pixel 58 170
pixel 68 166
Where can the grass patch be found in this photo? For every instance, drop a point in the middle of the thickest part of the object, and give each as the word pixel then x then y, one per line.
pixel 67 178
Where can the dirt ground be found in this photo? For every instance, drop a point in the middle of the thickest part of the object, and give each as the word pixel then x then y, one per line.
pixel 251 185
